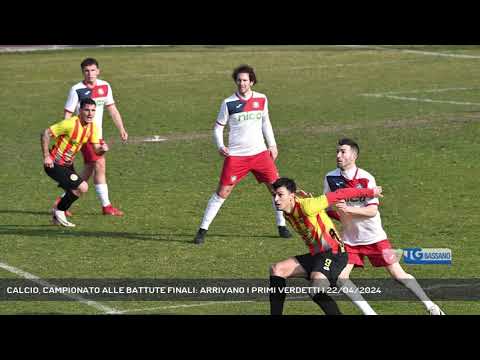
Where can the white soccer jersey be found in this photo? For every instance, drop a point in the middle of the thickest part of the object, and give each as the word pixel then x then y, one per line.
pixel 249 123
pixel 355 230
pixel 101 93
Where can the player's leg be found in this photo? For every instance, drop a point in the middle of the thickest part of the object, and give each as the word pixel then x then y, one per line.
pixel 101 187
pixel 352 292
pixel 73 185
pixel 279 272
pixel 326 269
pixel 264 169
pixel 407 280
pixel 213 207
pixel 234 169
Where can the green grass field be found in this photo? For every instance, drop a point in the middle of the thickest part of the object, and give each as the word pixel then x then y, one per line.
pixel 422 150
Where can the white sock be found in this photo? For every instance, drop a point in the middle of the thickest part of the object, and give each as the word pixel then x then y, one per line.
pixel 278 215
pixel 412 285
pixel 213 206
pixel 102 193
pixel 354 294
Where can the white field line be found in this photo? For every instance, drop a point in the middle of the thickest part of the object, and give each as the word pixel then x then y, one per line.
pixel 184 306
pixel 420 99
pixel 418 52
pixel 417 91
pixel 36 279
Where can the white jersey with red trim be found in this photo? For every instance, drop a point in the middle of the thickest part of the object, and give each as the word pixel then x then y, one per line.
pixel 249 123
pixel 101 93
pixel 356 230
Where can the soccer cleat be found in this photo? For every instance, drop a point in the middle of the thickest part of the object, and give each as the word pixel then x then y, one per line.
pixel 283 232
pixel 200 237
pixel 110 210
pixel 59 218
pixel 435 310
pixel 57 200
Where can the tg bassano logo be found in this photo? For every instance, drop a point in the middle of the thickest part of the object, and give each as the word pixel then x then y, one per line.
pixel 427 256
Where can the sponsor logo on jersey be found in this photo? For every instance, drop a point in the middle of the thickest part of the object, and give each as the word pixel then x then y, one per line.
pixel 253 115
pixel 427 256
pixel 100 91
pixel 255 105
pixel 233 178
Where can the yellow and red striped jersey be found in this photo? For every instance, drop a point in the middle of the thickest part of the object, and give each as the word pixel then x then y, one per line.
pixel 310 220
pixel 71 135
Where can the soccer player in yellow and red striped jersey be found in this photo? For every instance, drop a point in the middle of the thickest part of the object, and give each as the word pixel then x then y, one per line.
pixel 71 134
pixel 327 256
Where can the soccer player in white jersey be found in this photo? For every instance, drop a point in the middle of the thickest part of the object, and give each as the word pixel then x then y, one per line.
pixel 362 231
pixel 246 113
pixel 101 92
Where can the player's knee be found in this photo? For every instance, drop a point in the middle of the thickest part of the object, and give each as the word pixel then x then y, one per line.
pixel 224 192
pixel 277 270
pixel 83 187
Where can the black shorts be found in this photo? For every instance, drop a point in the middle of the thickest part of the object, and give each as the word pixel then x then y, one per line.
pixel 329 264
pixel 65 176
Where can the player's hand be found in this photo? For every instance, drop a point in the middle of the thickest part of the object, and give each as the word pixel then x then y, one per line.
pixel 104 147
pixel 123 135
pixel 303 194
pixel 224 151
pixel 273 152
pixel 48 162
pixel 377 191
pixel 342 207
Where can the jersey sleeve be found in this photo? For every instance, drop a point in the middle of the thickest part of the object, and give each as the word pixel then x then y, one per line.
pixel 222 117
pixel 109 100
pixel 348 193
pixel 267 126
pixel 61 128
pixel 314 205
pixel 94 138
pixel 72 101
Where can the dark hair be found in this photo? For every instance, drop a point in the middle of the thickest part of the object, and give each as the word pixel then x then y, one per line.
pixel 245 69
pixel 351 143
pixel 88 62
pixel 289 184
pixel 87 101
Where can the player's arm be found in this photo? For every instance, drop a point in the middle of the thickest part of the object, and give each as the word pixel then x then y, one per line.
pixel 45 137
pixel 330 212
pixel 349 193
pixel 117 120
pixel 99 146
pixel 218 129
pixel 268 132
pixel 367 211
pixel 70 104
pixel 322 202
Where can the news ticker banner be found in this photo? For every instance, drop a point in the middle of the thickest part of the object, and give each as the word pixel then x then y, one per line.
pixel 224 289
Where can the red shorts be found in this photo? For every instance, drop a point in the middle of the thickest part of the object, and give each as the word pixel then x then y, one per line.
pixel 374 253
pixel 235 168
pixel 89 154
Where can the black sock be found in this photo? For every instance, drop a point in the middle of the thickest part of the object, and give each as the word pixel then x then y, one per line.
pixel 67 200
pixel 277 298
pixel 327 304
